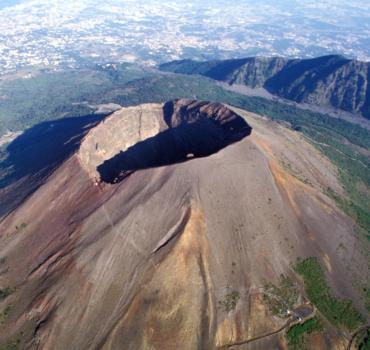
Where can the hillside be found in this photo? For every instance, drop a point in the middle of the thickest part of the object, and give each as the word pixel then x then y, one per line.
pixel 346 144
pixel 33 96
pixel 325 81
pixel 181 225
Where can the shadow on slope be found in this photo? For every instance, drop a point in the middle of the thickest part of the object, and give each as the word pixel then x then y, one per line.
pixel 188 140
pixel 32 156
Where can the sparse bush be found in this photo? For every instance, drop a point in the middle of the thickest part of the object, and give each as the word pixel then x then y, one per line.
pixel 4 293
pixel 5 314
pixel 14 345
pixel 281 298
pixel 230 301
pixel 364 340
pixel 366 295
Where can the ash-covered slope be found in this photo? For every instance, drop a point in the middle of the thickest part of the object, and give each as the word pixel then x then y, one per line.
pixel 325 81
pixel 35 154
pixel 178 254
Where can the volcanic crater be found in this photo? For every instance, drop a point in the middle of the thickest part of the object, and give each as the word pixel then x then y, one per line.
pixel 180 130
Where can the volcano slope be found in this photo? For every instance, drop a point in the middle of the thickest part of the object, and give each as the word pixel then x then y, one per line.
pixel 167 229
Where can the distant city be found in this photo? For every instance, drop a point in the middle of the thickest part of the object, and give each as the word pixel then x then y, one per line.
pixel 70 33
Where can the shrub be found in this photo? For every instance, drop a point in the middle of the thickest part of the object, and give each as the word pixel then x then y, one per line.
pixel 340 312
pixel 296 333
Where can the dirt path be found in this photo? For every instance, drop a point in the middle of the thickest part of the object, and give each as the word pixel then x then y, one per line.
pixel 260 336
pixel 337 150
pixel 296 318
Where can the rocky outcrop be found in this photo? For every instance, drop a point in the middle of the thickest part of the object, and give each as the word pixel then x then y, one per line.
pixel 325 81
pixel 117 133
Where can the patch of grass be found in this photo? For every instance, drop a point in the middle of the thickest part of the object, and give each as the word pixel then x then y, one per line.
pixel 22 226
pixel 358 212
pixel 5 314
pixel 365 291
pixel 281 298
pixel 4 293
pixel 13 345
pixel 354 174
pixel 230 301
pixel 364 340
pixel 351 209
pixel 296 334
pixel 340 312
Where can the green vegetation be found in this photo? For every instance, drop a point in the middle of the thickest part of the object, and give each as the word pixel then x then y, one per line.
pixel 281 298
pixel 22 226
pixel 296 334
pixel 366 295
pixel 5 314
pixel 340 312
pixel 14 345
pixel 230 301
pixel 364 340
pixel 291 79
pixel 354 171
pixel 4 293
pixel 53 95
pixel 360 215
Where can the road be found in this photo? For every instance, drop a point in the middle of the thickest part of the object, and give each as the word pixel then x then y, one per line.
pixel 299 315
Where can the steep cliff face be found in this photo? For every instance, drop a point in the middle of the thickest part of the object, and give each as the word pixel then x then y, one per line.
pixel 253 71
pixel 176 255
pixel 325 81
pixel 153 135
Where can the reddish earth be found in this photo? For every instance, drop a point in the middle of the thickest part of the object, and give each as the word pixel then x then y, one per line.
pixel 144 262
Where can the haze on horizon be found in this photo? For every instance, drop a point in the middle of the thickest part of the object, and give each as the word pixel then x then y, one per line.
pixel 69 33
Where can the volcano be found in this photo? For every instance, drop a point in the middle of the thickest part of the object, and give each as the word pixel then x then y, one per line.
pixel 165 227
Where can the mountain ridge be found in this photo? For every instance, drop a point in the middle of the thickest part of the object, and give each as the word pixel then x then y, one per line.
pixel 331 80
